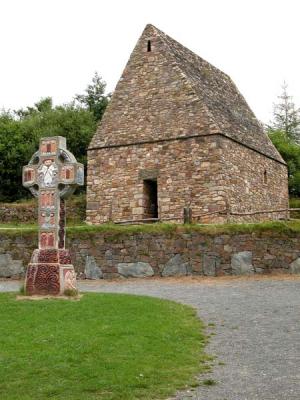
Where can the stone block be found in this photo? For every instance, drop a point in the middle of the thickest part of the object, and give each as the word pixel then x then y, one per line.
pixel 93 205
pixel 108 255
pixel 176 267
pixel 10 267
pixel 227 248
pixel 92 270
pixel 259 270
pixel 138 211
pixel 241 263
pixel 295 266
pixel 211 264
pixel 135 270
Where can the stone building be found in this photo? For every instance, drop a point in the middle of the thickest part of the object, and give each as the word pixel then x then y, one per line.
pixel 176 134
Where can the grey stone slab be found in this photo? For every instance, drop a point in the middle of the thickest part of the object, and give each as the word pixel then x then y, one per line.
pixel 176 266
pixel 295 266
pixel 92 270
pixel 211 264
pixel 10 267
pixel 135 270
pixel 241 263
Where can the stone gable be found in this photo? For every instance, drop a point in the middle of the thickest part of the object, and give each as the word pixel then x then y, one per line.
pixel 169 92
pixel 153 99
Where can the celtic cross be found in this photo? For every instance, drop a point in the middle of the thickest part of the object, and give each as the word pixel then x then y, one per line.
pixel 52 175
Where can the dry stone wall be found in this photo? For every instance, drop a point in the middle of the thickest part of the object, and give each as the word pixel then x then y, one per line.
pixel 104 255
pixel 253 182
pixel 27 211
pixel 18 213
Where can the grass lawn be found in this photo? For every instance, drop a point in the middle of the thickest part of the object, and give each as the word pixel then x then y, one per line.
pixel 105 346
pixel 289 228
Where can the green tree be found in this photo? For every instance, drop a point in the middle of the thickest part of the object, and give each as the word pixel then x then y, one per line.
pixel 14 150
pixel 20 133
pixel 286 117
pixel 290 152
pixel 94 98
pixel 21 130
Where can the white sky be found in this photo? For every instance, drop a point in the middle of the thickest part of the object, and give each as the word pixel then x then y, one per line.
pixel 53 47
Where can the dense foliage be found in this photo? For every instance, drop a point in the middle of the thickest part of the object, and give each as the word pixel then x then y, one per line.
pixel 290 152
pixel 94 98
pixel 284 131
pixel 21 130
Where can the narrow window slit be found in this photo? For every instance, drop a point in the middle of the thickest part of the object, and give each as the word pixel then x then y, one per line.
pixel 265 177
pixel 149 45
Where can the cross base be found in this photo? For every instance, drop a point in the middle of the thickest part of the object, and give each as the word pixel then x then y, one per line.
pixel 50 272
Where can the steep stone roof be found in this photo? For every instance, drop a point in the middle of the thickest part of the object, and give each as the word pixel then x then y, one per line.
pixel 222 106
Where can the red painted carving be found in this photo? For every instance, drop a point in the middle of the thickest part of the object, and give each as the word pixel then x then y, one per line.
pixel 47 279
pixel 52 218
pixel 43 240
pixel 42 199
pixel 64 257
pixel 47 198
pixel 28 175
pixel 48 256
pixel 50 239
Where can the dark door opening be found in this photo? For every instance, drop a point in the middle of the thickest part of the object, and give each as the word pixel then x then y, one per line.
pixel 150 198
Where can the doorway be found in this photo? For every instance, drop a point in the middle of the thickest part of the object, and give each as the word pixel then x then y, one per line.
pixel 150 198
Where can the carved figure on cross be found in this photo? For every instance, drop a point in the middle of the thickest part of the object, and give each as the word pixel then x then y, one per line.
pixel 52 175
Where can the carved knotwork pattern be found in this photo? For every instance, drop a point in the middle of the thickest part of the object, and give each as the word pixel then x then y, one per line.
pixel 64 257
pixel 47 280
pixel 48 256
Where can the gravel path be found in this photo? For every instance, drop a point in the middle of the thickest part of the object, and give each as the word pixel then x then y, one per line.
pixel 257 332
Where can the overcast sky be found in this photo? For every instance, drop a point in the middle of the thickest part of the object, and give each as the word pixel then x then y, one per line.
pixel 53 47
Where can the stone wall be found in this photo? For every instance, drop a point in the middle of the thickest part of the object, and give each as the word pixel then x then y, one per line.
pixel 26 211
pixel 253 182
pixel 108 255
pixel 18 212
pixel 187 173
pixel 207 174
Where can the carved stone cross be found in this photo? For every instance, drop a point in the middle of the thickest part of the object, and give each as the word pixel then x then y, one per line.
pixel 52 175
